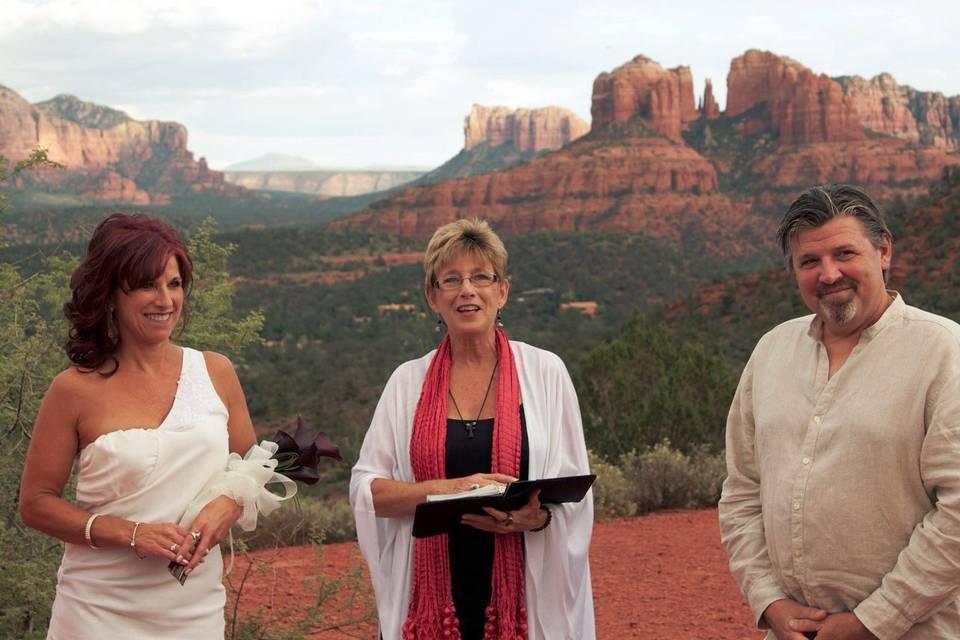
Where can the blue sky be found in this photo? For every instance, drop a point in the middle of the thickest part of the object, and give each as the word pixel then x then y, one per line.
pixel 360 83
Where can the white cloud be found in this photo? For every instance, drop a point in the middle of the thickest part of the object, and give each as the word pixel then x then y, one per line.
pixel 362 82
pixel 243 28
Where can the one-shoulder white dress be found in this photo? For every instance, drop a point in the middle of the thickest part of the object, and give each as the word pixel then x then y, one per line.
pixel 147 475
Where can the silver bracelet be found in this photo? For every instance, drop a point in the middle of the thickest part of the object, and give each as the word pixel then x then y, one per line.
pixel 133 540
pixel 86 530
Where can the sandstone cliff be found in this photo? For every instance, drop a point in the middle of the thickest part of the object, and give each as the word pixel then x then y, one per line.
pixel 526 130
pixel 885 107
pixel 789 100
pixel 662 99
pixel 109 156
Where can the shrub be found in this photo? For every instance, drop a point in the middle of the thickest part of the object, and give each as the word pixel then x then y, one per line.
pixel 664 478
pixel 305 521
pixel 611 492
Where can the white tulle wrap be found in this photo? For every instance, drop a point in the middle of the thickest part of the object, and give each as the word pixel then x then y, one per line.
pixel 245 480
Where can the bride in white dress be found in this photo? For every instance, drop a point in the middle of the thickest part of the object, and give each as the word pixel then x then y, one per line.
pixel 147 424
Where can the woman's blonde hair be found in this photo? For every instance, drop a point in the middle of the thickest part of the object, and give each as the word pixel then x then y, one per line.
pixel 471 236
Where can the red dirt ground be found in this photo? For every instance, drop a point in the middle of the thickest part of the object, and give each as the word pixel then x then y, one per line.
pixel 655 577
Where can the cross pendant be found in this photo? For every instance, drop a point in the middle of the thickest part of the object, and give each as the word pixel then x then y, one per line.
pixel 470 427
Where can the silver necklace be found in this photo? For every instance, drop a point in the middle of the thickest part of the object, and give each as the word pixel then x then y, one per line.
pixel 471 425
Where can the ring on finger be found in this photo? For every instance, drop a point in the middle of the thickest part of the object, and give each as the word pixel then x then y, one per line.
pixel 508 520
pixel 474 486
pixel 173 547
pixel 196 536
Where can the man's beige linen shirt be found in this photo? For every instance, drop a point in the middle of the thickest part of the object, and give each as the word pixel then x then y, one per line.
pixel 845 493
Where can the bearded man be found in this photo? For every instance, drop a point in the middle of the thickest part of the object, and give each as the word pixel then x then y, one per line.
pixel 841 509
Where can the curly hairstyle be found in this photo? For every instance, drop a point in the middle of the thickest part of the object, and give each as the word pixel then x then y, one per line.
pixel 125 252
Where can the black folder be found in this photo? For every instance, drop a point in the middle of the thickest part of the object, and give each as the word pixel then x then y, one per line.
pixel 433 518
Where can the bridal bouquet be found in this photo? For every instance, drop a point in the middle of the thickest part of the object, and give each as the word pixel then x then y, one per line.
pixel 286 460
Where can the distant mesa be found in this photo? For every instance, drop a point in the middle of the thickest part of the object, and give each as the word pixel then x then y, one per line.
pixel 659 162
pixel 109 156
pixel 324 183
pixel 526 130
pixel 274 162
pixel 497 138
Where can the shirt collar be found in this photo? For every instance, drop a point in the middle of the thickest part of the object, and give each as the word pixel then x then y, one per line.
pixel 891 314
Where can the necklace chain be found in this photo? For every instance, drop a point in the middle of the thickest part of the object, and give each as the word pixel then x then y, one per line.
pixel 469 425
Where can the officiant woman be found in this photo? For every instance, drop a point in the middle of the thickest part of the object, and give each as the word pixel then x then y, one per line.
pixel 479 409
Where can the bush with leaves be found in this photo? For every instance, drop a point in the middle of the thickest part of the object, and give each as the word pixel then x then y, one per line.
pixel 304 520
pixel 664 478
pixel 611 491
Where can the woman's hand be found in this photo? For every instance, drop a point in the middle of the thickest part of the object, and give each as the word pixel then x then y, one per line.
pixel 208 529
pixel 530 516
pixel 397 499
pixel 161 540
pixel 475 481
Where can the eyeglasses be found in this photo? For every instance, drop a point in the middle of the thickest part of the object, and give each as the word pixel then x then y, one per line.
pixel 479 280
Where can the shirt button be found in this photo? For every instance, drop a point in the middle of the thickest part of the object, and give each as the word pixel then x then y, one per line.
pixel 806 461
pixel 817 419
pixel 796 506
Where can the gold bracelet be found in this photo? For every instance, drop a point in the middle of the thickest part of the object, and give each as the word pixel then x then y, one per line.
pixel 87 533
pixel 133 540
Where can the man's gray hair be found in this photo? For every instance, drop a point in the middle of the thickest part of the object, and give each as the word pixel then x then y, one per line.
pixel 821 204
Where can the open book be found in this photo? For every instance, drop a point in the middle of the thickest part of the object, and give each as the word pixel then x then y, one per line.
pixel 485 490
pixel 441 513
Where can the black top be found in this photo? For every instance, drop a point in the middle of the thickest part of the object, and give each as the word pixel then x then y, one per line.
pixel 471 550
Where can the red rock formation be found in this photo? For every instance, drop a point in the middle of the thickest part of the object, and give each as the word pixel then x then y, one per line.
pixel 661 99
pixel 883 161
pixel 882 105
pixel 885 107
pixel 623 178
pixel 528 130
pixel 938 118
pixel 790 101
pixel 710 109
pixel 108 155
pixel 688 109
pixel 636 173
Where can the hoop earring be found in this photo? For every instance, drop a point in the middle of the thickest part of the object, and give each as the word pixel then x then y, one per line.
pixel 113 327
pixel 499 320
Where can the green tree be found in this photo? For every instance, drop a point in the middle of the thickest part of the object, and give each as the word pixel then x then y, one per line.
pixel 30 355
pixel 212 323
pixel 646 386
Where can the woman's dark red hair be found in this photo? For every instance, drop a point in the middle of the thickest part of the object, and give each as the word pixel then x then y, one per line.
pixel 125 252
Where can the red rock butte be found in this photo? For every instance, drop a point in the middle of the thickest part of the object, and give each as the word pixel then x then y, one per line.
pixel 642 88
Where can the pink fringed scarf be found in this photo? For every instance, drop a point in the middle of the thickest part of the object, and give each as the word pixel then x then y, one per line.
pixel 432 615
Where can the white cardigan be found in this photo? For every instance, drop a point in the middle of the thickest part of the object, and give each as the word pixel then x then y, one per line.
pixel 559 597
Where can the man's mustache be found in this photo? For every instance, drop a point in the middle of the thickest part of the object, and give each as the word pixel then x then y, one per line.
pixel 842 283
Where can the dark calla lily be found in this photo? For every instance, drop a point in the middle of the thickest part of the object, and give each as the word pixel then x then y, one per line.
pixel 298 456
